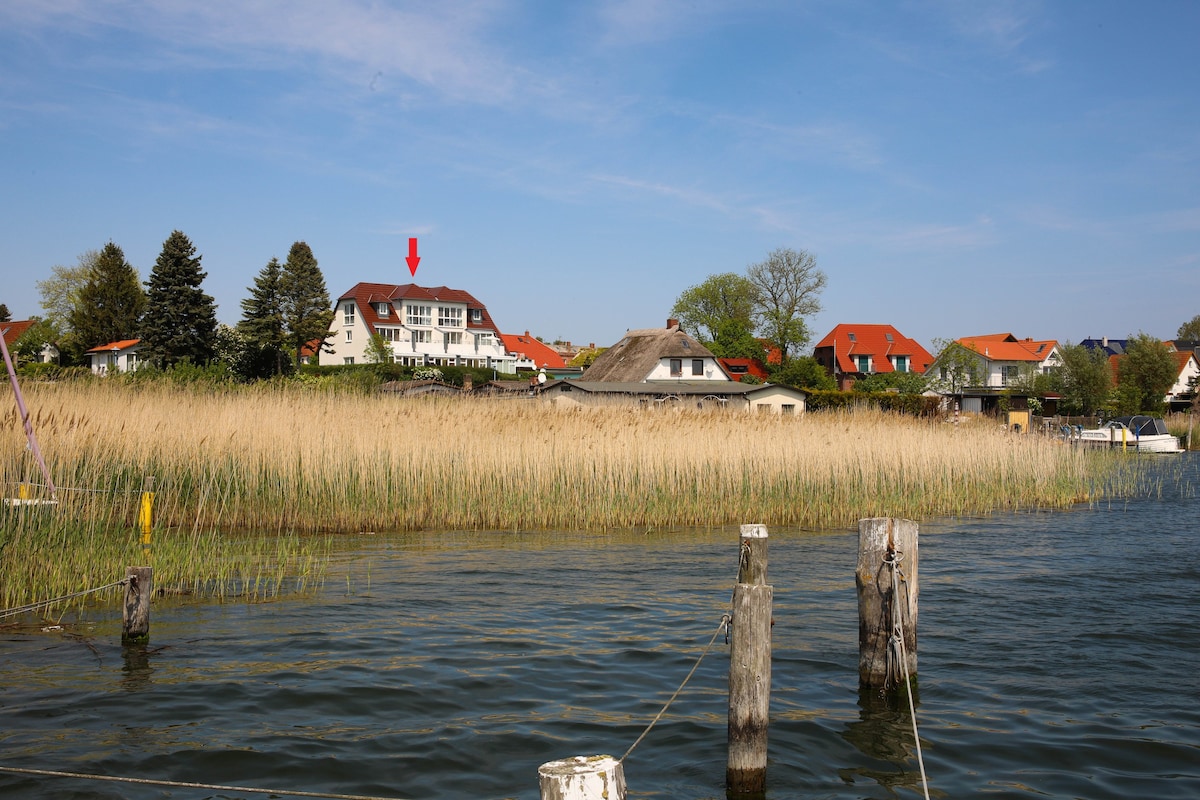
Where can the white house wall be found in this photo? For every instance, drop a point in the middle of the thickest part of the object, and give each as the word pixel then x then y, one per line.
pixel 711 371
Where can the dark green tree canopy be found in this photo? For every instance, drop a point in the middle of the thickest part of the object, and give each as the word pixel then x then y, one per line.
pixel 109 305
pixel 720 301
pixel 1190 330
pixel 5 315
pixel 1144 375
pixel 305 300
pixel 735 339
pixel 1085 379
pixel 804 372
pixel 262 325
pixel 181 320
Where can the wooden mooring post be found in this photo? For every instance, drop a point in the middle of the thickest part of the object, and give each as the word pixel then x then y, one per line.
pixel 582 778
pixel 135 616
pixel 886 578
pixel 749 668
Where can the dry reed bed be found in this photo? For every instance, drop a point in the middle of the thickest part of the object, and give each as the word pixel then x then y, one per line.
pixel 301 461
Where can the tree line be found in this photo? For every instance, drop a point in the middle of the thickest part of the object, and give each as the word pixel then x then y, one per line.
pixel 102 300
pixel 761 314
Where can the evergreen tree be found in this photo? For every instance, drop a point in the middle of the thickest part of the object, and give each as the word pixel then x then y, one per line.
pixel 262 324
pixel 110 303
pixel 306 310
pixel 5 315
pixel 181 320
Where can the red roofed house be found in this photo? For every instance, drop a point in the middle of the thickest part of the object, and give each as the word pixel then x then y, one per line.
pixel 14 330
pixel 425 326
pixel 1181 394
pixel 531 352
pixel 850 352
pixel 739 368
pixel 119 356
pixel 1001 360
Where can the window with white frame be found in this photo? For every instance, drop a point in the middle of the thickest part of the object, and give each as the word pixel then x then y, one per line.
pixel 1009 374
pixel 349 337
pixel 348 359
pixel 383 309
pixel 453 337
pixel 450 317
pixel 348 311
pixel 697 366
pixel 485 340
pixel 900 363
pixel 420 315
pixel 676 367
pixel 422 337
pixel 476 315
pixel 389 334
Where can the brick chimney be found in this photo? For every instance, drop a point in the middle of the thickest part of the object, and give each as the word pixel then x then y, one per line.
pixel 672 324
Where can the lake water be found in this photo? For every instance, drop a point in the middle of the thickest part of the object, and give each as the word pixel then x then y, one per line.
pixel 1059 658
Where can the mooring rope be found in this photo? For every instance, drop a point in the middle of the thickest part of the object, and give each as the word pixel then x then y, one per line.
pixel 189 785
pixel 725 620
pixel 12 612
pixel 893 560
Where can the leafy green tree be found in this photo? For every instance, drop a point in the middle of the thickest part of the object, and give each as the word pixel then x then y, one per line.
pixel 789 285
pixel 110 303
pixel 735 339
pixel 60 296
pixel 804 372
pixel 33 342
pixel 378 350
pixel 5 314
pixel 306 309
pixel 1085 379
pixel 1190 330
pixel 262 323
pixel 1145 374
pixel 954 368
pixel 181 320
pixel 721 300
pixel 904 382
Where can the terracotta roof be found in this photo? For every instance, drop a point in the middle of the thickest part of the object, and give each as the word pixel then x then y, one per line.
pixel 1006 347
pixel 740 367
pixel 875 340
pixel 14 330
pixel 634 357
pixel 124 344
pixel 366 295
pixel 526 346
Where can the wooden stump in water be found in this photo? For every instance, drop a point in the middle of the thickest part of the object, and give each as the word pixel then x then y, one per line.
pixel 135 617
pixel 750 668
pixel 886 578
pixel 582 778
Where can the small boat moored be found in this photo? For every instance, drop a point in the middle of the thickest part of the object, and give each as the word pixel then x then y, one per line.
pixel 1142 433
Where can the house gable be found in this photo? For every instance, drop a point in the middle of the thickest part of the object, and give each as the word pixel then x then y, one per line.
pixel 850 351
pixel 656 354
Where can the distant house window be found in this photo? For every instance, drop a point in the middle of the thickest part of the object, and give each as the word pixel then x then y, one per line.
pixel 389 334
pixel 888 336
pixel 864 363
pixel 382 309
pixel 420 315
pixel 901 363
pixel 738 369
pixel 787 408
pixel 453 337
pixel 450 317
pixel 485 340
pixel 697 366
pixel 349 337
pixel 348 360
pixel 850 336
pixel 1009 374
pixel 476 315
pixel 676 367
pixel 422 337
pixel 349 314
pixel 131 362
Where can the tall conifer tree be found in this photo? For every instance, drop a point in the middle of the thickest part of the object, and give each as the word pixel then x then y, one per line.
pixel 110 303
pixel 181 320
pixel 262 322
pixel 306 309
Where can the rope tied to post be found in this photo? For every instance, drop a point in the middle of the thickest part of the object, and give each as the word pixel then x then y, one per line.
pixel 897 652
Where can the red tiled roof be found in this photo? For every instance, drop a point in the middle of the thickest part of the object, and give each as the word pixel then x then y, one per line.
pixel 877 341
pixel 13 330
pixel 365 295
pixel 526 346
pixel 124 344
pixel 1006 347
pixel 752 366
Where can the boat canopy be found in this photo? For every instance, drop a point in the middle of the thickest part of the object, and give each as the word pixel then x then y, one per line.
pixel 1142 425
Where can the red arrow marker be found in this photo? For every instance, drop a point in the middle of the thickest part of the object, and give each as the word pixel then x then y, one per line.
pixel 413 259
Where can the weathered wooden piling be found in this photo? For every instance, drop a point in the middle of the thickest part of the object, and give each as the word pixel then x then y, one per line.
pixel 135 617
pixel 887 601
pixel 749 667
pixel 582 778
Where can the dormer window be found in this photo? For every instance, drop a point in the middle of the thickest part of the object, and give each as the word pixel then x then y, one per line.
pixel 476 315
pixel 850 336
pixel 888 336
pixel 382 309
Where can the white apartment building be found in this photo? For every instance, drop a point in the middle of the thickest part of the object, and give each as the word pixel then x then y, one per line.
pixel 422 326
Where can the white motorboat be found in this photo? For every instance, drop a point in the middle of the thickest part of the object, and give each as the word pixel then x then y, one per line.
pixel 1141 433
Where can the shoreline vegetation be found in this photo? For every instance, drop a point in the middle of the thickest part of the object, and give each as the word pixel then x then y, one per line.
pixel 290 462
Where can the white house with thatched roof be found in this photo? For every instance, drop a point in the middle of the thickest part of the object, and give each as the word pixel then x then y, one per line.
pixel 656 354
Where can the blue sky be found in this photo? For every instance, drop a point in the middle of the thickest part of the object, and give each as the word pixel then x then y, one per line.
pixel 957 168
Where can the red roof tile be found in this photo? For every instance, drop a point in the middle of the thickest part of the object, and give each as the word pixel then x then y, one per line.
pixel 366 295
pixel 878 341
pixel 526 346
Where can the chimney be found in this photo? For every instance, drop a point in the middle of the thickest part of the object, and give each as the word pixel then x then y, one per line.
pixel 672 324
pixel 1104 341
pixel 468 383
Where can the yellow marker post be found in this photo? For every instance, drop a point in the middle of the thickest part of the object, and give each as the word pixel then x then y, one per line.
pixel 146 513
pixel 22 491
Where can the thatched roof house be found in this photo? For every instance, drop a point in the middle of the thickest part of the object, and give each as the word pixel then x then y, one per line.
pixel 656 354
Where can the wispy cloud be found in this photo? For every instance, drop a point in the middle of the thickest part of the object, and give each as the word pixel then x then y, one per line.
pixel 688 195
